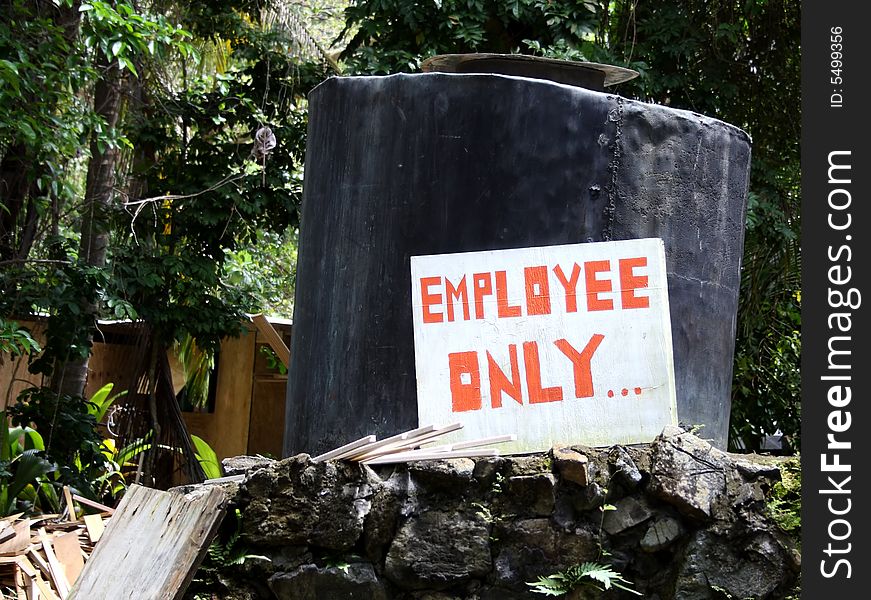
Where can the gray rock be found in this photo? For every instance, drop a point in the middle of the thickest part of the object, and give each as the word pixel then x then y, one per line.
pixel 486 469
pixel 531 494
pixel 284 558
pixel 630 511
pixel 437 550
pixel 754 569
pixel 624 470
pixel 242 465
pixel 309 582
pixel 528 464
pixel 662 533
pixel 444 476
pixel 528 548
pixel 571 465
pixel 588 498
pixel 296 502
pixel 434 596
pixel 688 472
pixel 380 524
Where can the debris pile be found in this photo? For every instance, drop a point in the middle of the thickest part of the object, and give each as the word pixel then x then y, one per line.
pixel 41 557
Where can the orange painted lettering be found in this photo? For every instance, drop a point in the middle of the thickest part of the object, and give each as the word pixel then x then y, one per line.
pixel 430 300
pixel 532 362
pixel 457 293
pixel 504 309
pixel 500 383
pixel 537 291
pixel 597 286
pixel 581 363
pixel 629 283
pixel 483 287
pixel 465 377
pixel 570 285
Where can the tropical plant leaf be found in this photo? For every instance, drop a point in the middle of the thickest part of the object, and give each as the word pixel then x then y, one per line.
pixel 29 466
pixel 30 437
pixel 100 402
pixel 126 454
pixel 552 585
pixel 207 457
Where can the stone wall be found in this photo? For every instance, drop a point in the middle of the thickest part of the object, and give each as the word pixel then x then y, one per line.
pixel 688 523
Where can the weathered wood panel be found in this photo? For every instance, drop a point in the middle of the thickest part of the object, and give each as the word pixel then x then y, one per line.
pixel 226 429
pixel 266 433
pixel 152 545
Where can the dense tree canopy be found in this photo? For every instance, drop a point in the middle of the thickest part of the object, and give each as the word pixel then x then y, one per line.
pixel 133 184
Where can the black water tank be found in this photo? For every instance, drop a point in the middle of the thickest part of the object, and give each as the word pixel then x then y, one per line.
pixel 437 163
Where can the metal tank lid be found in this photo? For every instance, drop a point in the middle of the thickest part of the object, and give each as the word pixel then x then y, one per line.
pixel 593 76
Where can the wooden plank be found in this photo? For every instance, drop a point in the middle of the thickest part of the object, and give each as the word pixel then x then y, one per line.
pixel 273 338
pixel 228 431
pixel 152 545
pixel 356 444
pixel 424 455
pixel 69 554
pixel 93 504
pixel 7 532
pixel 387 443
pixel 266 429
pixel 27 566
pixel 415 439
pixel 57 571
pixel 30 589
pixel 21 540
pixel 496 439
pixel 39 561
pixel 227 479
pixel 94 525
pixel 71 507
pixel 45 590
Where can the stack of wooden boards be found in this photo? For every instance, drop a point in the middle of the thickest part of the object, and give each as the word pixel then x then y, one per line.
pixel 41 557
pixel 409 446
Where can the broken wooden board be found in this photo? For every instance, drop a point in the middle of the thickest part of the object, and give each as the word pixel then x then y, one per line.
pixel 19 542
pixel 273 338
pixel 95 527
pixel 152 545
pixel 68 552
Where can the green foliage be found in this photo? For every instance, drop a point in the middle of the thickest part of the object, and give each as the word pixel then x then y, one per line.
pixel 198 365
pixel 207 458
pixel 101 401
pixel 266 271
pixel 71 425
pixel 123 34
pixel 784 500
pixel 23 469
pixel 198 255
pixel 273 363
pixel 15 340
pixel 84 459
pixel 393 35
pixel 591 574
pixel 192 194
pixel 226 551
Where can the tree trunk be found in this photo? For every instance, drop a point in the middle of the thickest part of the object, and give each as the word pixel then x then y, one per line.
pixel 70 377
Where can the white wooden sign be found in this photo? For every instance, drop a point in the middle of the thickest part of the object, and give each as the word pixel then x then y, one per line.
pixel 557 344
